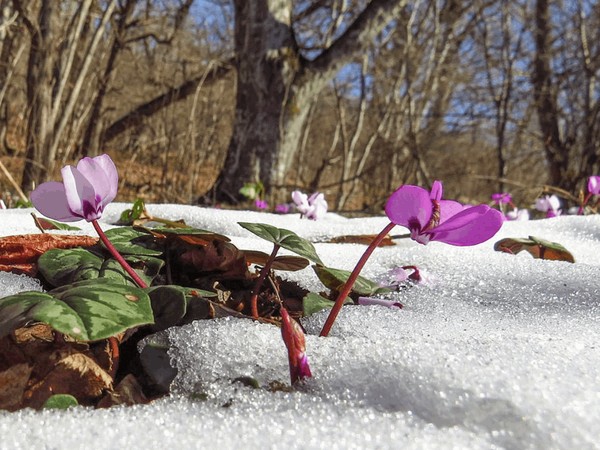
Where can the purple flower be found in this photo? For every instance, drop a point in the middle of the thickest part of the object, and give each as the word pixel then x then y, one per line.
pixel 429 218
pixel 593 185
pixel 261 204
pixel 2 205
pixel 368 301
pixel 312 207
pixel 294 340
pixel 282 208
pixel 83 194
pixel 550 204
pixel 502 198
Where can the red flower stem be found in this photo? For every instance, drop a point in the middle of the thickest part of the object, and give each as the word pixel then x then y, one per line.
pixel 263 274
pixel 587 199
pixel 353 276
pixel 113 251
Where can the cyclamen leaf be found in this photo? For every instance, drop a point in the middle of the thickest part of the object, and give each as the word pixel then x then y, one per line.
pixel 336 278
pixel 129 241
pixel 60 267
pixel 88 310
pixel 537 247
pixel 283 262
pixel 284 238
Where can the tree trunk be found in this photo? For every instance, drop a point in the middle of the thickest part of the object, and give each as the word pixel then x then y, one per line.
pixel 39 99
pixel 267 61
pixel 276 86
pixel 545 96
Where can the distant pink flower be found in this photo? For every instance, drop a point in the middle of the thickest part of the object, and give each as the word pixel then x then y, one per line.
pixel 312 207
pixel 282 208
pixel 261 204
pixel 83 194
pixel 2 205
pixel 429 218
pixel 593 185
pixel 550 204
pixel 294 340
pixel 502 198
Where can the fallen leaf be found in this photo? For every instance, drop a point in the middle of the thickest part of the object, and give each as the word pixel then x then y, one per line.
pixel 19 253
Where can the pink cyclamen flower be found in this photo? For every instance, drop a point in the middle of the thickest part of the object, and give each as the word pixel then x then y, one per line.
pixel 502 198
pixel 282 208
pixel 294 340
pixel 83 194
pixel 429 218
pixel 312 207
pixel 261 204
pixel 593 185
pixel 550 204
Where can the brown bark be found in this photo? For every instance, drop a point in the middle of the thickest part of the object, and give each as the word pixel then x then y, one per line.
pixel 545 97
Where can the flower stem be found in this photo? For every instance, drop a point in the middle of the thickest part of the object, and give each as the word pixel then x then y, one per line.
pixel 353 276
pixel 263 274
pixel 113 251
pixel 585 201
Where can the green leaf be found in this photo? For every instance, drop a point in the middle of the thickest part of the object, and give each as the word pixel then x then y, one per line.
pixel 89 310
pixel 129 241
pixel 313 303
pixel 284 238
pixel 169 305
pixel 335 279
pixel 66 266
pixel 130 215
pixel 537 247
pixel 60 401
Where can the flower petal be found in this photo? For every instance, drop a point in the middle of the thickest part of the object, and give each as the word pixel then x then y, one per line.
pixel 449 208
pixel 471 226
pixel 409 204
pixel 96 176
pixel 80 193
pixel 436 190
pixel 50 199
pixel 109 168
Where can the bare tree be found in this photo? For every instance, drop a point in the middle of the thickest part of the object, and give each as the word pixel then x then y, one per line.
pixel 276 85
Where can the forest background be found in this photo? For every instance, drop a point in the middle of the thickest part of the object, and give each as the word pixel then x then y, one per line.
pixel 194 98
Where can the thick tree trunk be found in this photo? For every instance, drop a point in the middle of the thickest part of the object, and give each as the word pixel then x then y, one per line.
pixel 267 61
pixel 557 153
pixel 39 98
pixel 276 86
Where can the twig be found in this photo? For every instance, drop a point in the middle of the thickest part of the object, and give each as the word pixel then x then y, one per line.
pixel 13 182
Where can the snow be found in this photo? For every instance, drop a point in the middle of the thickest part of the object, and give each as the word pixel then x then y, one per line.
pixel 495 351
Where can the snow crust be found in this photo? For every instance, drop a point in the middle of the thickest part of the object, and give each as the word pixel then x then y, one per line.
pixel 494 351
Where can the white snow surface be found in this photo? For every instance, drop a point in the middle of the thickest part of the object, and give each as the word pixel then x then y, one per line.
pixel 495 351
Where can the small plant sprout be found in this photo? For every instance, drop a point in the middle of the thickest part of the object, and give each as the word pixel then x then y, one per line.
pixel 83 195
pixel 428 218
pixel 294 340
